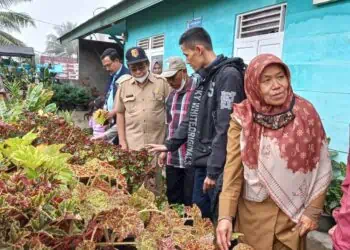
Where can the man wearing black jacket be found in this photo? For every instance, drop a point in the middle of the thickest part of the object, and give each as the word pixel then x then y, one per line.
pixel 207 122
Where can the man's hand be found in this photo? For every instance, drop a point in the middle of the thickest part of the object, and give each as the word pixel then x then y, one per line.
pixel 162 159
pixel 223 234
pixel 112 115
pixel 156 148
pixel 208 184
pixel 305 225
pixel 124 145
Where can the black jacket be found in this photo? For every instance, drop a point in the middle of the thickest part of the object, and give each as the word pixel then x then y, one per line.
pixel 205 127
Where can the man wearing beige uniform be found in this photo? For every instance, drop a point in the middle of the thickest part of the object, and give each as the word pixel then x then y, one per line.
pixel 141 104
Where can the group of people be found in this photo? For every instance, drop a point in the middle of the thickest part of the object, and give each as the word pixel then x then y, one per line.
pixel 234 140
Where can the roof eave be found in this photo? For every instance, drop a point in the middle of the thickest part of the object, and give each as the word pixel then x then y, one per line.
pixel 108 18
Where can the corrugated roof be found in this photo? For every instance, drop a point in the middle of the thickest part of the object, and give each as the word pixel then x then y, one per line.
pixel 16 51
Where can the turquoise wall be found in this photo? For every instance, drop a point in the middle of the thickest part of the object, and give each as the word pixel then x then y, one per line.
pixel 170 18
pixel 316 47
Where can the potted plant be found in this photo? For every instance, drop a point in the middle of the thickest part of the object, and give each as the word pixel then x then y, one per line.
pixel 334 194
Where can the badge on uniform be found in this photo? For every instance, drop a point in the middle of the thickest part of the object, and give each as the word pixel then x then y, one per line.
pixel 155 92
pixel 135 53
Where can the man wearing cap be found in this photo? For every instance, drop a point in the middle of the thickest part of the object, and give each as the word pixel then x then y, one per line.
pixel 179 179
pixel 141 104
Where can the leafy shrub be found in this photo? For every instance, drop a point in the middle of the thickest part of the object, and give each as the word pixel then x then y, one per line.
pixel 68 97
pixel 59 190
pixel 334 192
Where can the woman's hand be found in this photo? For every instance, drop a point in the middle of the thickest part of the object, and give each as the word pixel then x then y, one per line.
pixel 223 234
pixel 305 225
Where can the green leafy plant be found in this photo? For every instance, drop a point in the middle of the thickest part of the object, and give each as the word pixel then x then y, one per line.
pixel 43 159
pixel 334 192
pixel 66 115
pixel 68 97
pixel 37 97
pixel 59 190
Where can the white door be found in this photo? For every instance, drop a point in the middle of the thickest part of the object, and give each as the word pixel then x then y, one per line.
pixel 245 49
pixel 272 45
pixel 248 48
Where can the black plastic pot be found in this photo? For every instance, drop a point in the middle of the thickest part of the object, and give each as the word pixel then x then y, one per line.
pixel 326 222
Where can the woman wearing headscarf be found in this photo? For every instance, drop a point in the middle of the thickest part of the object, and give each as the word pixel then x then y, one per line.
pixel 157 68
pixel 341 231
pixel 277 168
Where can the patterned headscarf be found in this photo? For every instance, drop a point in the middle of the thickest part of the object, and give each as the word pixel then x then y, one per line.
pixel 297 128
pixel 280 143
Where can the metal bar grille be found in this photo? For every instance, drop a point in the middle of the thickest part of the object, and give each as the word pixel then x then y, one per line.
pixel 144 43
pixel 262 22
pixel 157 42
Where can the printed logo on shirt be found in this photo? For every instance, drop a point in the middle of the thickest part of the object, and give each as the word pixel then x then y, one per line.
pixel 192 124
pixel 226 99
pixel 211 89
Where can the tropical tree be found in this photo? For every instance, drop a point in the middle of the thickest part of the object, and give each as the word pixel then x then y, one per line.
pixel 53 46
pixel 12 21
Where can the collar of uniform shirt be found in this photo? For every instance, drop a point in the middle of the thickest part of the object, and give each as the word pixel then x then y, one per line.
pixel 151 78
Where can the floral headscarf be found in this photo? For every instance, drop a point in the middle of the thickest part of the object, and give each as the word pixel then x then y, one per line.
pixel 283 148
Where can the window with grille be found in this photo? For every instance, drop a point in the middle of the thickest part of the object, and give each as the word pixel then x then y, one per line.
pixel 144 43
pixel 157 42
pixel 154 42
pixel 262 22
pixel 154 48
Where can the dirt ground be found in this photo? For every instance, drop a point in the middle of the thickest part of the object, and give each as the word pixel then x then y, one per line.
pixel 78 118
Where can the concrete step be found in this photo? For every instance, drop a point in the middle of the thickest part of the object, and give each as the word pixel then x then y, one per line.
pixel 319 241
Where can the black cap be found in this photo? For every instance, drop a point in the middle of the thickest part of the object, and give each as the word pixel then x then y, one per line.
pixel 136 55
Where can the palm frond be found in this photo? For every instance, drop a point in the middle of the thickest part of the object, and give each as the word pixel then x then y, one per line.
pixel 14 21
pixel 7 39
pixel 8 3
pixel 53 46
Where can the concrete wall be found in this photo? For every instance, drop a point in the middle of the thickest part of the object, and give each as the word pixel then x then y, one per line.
pixel 91 72
pixel 316 46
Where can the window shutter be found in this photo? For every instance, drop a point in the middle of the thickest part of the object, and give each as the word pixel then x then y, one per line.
pixel 157 42
pixel 262 22
pixel 144 43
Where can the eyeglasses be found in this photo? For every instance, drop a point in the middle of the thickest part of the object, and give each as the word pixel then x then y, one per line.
pixel 136 68
pixel 107 66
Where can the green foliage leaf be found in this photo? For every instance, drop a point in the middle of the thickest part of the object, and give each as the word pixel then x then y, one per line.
pixel 28 157
pixel 51 108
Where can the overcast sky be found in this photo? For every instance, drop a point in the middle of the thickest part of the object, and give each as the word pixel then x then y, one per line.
pixel 56 12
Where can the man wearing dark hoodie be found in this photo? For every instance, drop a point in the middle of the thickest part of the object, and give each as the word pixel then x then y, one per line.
pixel 205 127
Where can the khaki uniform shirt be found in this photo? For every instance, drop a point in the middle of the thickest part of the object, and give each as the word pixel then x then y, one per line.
pixel 144 109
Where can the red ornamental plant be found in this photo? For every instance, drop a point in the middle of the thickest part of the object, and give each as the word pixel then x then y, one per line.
pixel 59 190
